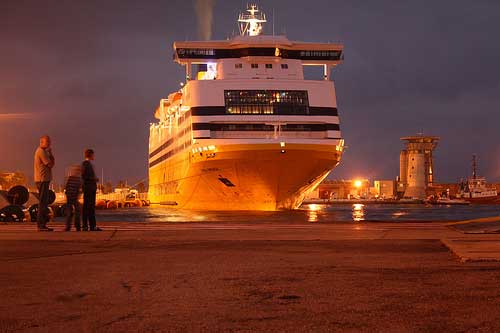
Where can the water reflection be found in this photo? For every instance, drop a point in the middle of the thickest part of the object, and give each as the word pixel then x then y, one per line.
pixel 399 214
pixel 358 212
pixel 317 213
pixel 312 212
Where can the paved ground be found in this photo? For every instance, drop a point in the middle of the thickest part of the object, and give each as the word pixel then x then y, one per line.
pixel 479 239
pixel 245 277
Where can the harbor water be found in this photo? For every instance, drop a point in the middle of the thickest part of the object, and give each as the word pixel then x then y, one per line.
pixel 314 213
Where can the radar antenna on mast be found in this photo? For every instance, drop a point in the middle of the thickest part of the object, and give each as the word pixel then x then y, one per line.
pixel 251 24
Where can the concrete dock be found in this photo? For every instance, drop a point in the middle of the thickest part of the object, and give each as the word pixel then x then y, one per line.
pixel 390 277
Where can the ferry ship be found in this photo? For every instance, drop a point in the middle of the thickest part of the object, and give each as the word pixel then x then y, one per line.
pixel 246 131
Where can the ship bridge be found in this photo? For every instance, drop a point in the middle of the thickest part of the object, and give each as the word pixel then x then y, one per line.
pixel 252 52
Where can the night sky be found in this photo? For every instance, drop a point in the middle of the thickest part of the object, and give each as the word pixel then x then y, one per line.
pixel 91 73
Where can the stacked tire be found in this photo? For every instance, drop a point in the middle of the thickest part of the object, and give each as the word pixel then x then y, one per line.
pixel 11 204
pixel 33 205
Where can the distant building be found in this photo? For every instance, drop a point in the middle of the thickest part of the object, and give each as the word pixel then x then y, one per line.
pixel 332 189
pixel 416 172
pixel 10 179
pixel 444 189
pixel 344 189
pixel 385 189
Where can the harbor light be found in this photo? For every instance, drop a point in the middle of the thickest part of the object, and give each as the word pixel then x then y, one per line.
pixel 358 183
pixel 314 207
pixel 282 144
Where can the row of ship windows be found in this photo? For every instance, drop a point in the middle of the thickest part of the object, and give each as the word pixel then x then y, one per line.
pixel 266 101
pixel 265 97
pixel 206 52
pixel 268 66
pixel 263 109
pixel 252 51
pixel 266 128
pixel 319 53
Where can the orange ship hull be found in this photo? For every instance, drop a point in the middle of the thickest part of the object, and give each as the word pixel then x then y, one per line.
pixel 242 177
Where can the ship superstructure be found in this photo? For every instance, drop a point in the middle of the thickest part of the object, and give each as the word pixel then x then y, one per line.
pixel 246 131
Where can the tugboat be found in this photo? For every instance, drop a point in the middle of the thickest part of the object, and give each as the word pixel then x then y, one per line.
pixel 475 189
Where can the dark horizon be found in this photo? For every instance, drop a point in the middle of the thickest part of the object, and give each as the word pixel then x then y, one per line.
pixel 91 74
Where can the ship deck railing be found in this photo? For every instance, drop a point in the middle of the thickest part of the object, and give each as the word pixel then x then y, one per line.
pixel 260 135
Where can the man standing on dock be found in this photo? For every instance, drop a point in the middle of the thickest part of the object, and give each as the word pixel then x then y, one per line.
pixel 89 192
pixel 44 162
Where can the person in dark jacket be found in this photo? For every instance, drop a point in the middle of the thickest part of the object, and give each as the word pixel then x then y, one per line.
pixel 89 184
pixel 72 191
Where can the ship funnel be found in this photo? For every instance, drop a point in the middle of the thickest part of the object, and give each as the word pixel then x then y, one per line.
pixel 251 23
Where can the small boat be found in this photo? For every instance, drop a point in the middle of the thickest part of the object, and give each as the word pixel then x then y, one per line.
pixel 475 189
pixel 448 201
pixel 410 201
pixel 445 199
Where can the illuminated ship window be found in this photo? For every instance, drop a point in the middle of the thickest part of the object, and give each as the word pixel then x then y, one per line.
pixel 284 66
pixel 269 66
pixel 286 102
pixel 255 65
pixel 238 66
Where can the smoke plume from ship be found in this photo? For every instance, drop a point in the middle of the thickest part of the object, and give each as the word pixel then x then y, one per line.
pixel 204 11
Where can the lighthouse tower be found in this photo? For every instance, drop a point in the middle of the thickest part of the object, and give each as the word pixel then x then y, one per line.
pixel 416 165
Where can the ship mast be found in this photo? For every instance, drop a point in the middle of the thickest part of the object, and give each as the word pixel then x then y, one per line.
pixel 251 24
pixel 474 167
